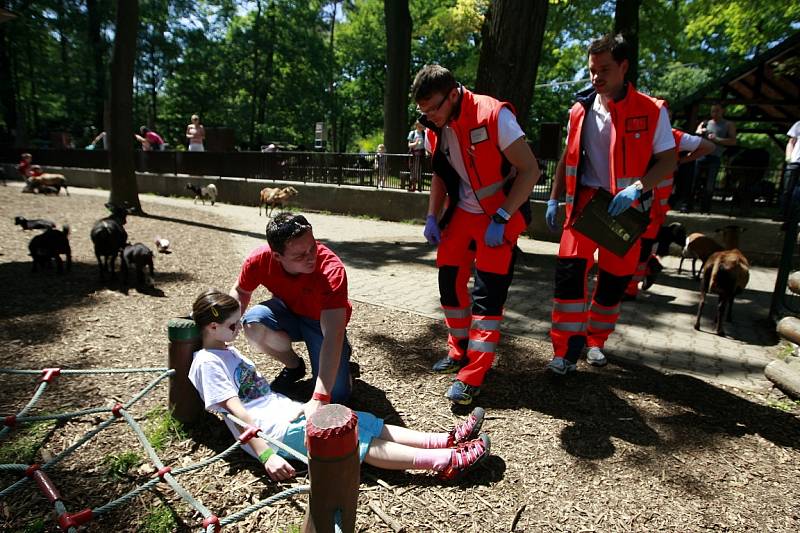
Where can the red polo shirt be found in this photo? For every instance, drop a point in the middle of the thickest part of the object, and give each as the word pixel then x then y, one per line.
pixel 306 295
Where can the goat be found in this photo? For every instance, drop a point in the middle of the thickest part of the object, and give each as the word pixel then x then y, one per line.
pixel 162 245
pixel 33 223
pixel 48 245
pixel 271 198
pixel 699 246
pixel 109 238
pixel 209 191
pixel 49 183
pixel 138 256
pixel 668 234
pixel 726 273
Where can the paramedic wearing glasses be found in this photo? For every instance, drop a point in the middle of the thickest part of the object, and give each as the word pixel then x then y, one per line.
pixel 484 172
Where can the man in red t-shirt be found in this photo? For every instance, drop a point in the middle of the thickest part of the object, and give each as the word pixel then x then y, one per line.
pixel 309 303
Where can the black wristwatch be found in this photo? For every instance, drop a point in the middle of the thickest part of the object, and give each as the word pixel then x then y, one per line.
pixel 499 219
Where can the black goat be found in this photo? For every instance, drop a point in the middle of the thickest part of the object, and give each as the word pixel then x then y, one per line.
pixel 48 245
pixel 34 223
pixel 138 256
pixel 668 234
pixel 109 238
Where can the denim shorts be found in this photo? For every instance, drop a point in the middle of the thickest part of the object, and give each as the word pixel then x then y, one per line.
pixel 276 316
pixel 369 427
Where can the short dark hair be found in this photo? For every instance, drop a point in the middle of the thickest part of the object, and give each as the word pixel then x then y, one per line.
pixel 432 79
pixel 285 227
pixel 213 306
pixel 143 130
pixel 616 44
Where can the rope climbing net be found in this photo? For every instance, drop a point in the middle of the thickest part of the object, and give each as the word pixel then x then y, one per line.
pixel 70 521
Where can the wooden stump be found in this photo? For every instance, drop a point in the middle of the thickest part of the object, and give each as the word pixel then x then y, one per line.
pixel 184 339
pixel 334 469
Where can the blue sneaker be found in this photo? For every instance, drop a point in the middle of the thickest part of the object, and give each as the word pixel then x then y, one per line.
pixel 461 393
pixel 561 366
pixel 448 365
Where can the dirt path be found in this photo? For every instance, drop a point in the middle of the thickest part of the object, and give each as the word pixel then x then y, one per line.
pixel 624 448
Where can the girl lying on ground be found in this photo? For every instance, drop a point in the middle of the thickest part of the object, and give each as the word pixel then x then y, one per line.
pixel 228 382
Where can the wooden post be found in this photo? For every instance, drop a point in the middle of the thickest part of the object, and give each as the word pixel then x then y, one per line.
pixel 184 401
pixel 334 469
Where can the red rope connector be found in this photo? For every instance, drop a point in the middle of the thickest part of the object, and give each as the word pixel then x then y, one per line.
pixel 49 374
pixel 211 520
pixel 68 520
pixel 31 469
pixel 162 471
pixel 248 433
pixel 10 421
pixel 116 410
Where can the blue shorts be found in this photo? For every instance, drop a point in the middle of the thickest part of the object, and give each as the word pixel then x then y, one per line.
pixel 276 316
pixel 369 427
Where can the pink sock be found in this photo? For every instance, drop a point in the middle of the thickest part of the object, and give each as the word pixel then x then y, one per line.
pixel 433 459
pixel 434 440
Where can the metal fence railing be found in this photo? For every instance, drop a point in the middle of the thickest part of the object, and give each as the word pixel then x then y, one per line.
pixel 389 171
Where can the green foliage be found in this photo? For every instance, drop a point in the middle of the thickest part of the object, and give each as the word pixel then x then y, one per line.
pixel 160 519
pixel 24 443
pixel 37 525
pixel 162 428
pixel 118 464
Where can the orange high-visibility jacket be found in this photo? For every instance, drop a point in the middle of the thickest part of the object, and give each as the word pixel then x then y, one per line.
pixel 633 125
pixel 490 173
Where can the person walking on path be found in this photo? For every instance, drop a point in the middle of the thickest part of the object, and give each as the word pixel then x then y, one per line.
pixel 613 136
pixel 722 133
pixel 309 303
pixel 483 172
pixel 196 134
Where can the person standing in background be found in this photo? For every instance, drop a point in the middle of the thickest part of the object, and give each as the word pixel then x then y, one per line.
pixel 196 134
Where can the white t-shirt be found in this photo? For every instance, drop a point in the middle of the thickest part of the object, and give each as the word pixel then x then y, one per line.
pixel 221 374
pixel 508 131
pixel 689 142
pixel 794 131
pixel 596 141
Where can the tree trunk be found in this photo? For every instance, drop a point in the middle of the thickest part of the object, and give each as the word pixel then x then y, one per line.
pixel 269 53
pixel 398 59
pixel 626 22
pixel 99 95
pixel 331 85
pixel 256 71
pixel 8 93
pixel 61 11
pixel 121 157
pixel 512 36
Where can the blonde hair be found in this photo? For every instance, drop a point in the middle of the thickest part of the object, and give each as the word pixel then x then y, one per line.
pixel 196 117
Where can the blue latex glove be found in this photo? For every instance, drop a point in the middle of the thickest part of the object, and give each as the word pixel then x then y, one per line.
pixel 551 214
pixel 624 199
pixel 494 234
pixel 431 232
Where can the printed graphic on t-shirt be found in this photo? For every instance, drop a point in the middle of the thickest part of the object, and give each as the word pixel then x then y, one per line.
pixel 251 385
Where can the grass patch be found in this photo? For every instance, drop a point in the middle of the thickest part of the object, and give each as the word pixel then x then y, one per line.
pixel 35 526
pixel 787 405
pixel 161 519
pixel 26 441
pixel 119 463
pixel 161 428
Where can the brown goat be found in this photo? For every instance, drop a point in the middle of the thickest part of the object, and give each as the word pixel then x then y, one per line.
pixel 726 274
pixel 700 246
pixel 271 198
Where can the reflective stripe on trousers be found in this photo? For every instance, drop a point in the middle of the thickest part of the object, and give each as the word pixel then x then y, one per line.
pixel 484 335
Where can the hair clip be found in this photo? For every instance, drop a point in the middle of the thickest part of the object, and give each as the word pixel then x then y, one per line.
pixel 214 312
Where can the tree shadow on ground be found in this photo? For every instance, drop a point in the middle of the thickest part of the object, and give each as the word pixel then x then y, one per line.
pixel 46 291
pixel 204 225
